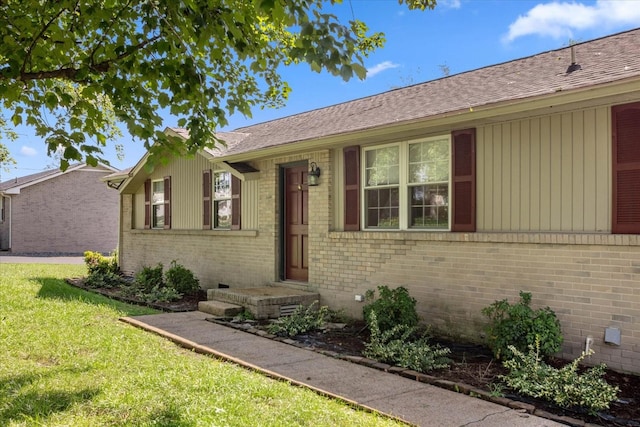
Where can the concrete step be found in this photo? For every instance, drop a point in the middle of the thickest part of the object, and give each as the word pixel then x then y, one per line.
pixel 264 302
pixel 219 308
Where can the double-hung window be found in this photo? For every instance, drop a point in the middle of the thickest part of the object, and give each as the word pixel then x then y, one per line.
pixel 407 185
pixel 222 200
pixel 157 204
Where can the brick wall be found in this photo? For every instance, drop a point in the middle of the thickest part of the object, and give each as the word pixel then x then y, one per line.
pixel 589 285
pixel 69 214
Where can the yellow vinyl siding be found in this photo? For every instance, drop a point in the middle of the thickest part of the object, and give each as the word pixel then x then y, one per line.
pixel 249 204
pixel 550 173
pixel 186 195
pixel 545 173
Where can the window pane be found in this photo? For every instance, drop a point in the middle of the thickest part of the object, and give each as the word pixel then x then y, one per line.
pixel 429 206
pixel 223 213
pixel 382 208
pixel 382 167
pixel 222 185
pixel 158 192
pixel 429 161
pixel 158 216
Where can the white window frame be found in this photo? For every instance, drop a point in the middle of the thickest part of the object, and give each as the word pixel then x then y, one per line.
pixel 157 202
pixel 404 185
pixel 216 200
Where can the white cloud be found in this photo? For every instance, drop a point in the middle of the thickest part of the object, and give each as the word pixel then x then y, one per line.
pixel 560 19
pixel 28 151
pixel 378 68
pixel 453 4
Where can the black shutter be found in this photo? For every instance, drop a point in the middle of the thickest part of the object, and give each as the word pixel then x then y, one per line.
pixel 352 188
pixel 625 124
pixel 464 180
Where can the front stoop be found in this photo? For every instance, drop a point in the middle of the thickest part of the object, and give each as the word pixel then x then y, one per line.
pixel 268 302
pixel 219 308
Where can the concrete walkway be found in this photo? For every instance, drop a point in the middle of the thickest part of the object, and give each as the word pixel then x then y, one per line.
pixel 412 401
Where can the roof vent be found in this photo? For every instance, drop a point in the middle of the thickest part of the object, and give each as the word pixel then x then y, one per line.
pixel 574 66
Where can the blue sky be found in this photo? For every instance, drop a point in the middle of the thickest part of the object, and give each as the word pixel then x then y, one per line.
pixel 459 35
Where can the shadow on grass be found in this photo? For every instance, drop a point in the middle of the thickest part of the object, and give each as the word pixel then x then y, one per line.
pixel 52 288
pixel 18 404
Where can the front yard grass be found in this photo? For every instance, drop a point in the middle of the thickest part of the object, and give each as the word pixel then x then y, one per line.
pixel 65 359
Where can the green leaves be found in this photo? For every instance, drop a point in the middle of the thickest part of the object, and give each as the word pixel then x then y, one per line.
pixel 91 66
pixel 519 326
pixel 567 386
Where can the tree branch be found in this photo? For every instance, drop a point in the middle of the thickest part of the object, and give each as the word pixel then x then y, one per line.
pixel 70 73
pixel 104 65
pixel 104 35
pixel 36 38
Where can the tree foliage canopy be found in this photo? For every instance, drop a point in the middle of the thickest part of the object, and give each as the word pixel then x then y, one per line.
pixel 72 69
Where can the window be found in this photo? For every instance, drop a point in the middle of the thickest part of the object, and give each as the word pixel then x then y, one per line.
pixel 157 204
pixel 222 200
pixel 2 209
pixel 406 185
pixel 425 184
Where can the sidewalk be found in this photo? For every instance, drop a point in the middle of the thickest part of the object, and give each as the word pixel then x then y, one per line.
pixel 412 401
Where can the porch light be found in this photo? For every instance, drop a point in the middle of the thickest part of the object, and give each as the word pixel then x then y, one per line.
pixel 313 175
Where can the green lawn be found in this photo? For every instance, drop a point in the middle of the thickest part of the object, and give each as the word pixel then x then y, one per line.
pixel 66 360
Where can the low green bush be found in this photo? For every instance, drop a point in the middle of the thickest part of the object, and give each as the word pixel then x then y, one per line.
pixel 566 387
pixel 181 279
pixel 107 280
pixel 99 264
pixel 302 320
pixel 392 307
pixel 518 325
pixel 103 272
pixel 398 346
pixel 150 278
pixel 160 294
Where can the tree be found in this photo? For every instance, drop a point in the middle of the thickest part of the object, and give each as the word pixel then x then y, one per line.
pixel 72 68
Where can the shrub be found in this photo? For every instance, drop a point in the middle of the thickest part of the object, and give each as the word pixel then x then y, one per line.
pixel 303 319
pixel 149 278
pixel 393 307
pixel 396 346
pixel 518 325
pixel 103 272
pixel 103 280
pixel 160 294
pixel 565 386
pixel 181 279
pixel 99 264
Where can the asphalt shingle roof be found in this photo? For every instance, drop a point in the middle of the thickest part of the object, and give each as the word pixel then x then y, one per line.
pixel 17 182
pixel 601 61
